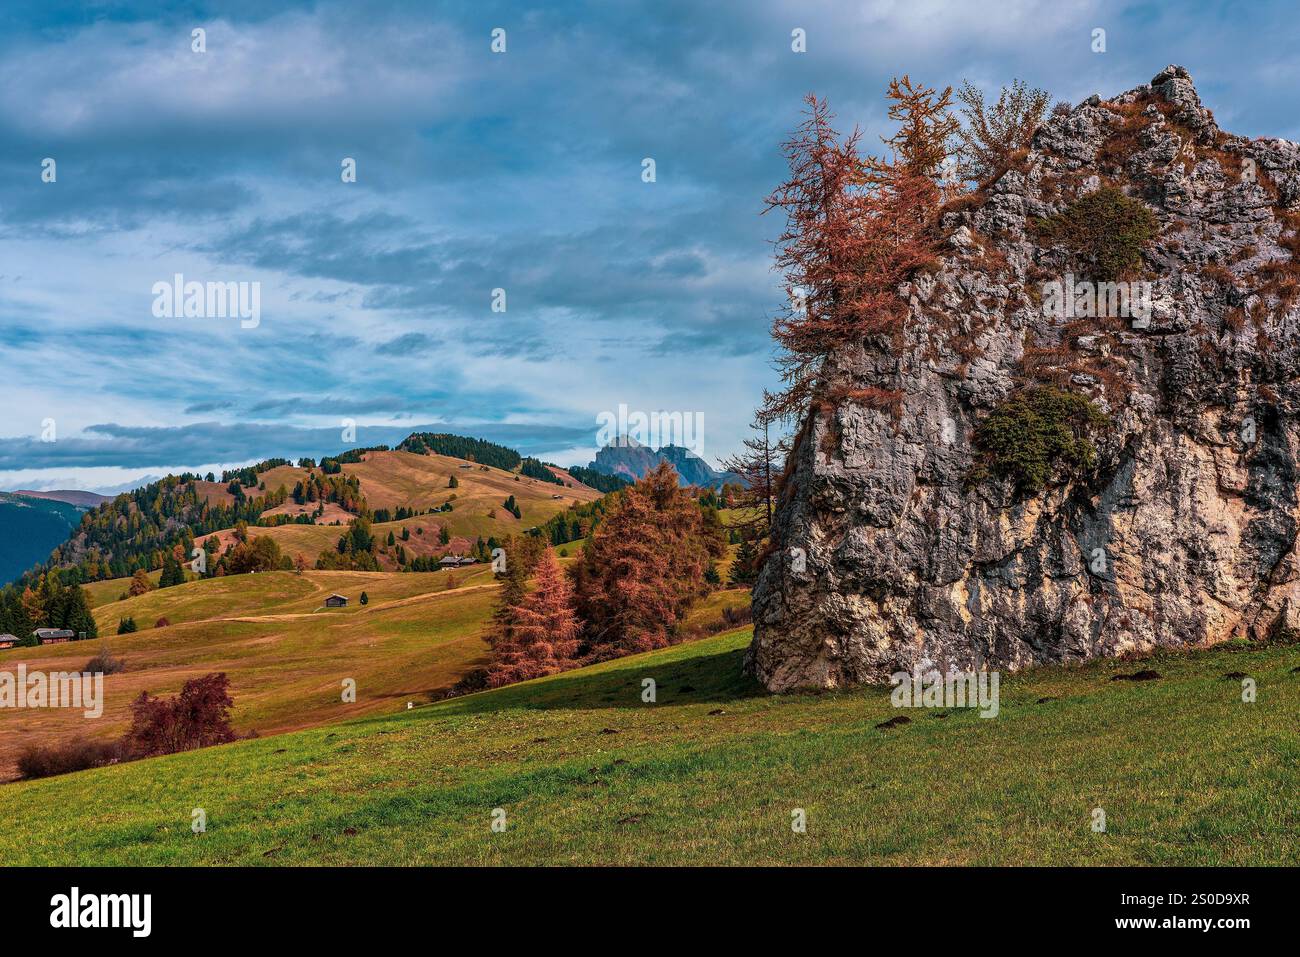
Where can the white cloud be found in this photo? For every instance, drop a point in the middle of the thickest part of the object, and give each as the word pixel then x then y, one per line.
pixel 292 70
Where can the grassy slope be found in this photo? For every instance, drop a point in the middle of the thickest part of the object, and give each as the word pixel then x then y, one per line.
pixel 587 773
pixel 111 589
pixel 282 476
pixel 285 654
pixel 392 479
pixel 276 593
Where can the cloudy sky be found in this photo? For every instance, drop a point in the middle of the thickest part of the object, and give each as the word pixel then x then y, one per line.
pixel 476 171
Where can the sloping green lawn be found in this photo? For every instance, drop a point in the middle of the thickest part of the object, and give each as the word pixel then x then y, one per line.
pixel 588 773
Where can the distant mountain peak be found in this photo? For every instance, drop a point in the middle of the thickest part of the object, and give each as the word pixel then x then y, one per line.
pixel 625 456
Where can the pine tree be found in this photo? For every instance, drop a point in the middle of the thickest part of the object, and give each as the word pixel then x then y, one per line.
pixel 743 571
pixel 15 619
pixel 925 127
pixel 522 553
pixel 172 573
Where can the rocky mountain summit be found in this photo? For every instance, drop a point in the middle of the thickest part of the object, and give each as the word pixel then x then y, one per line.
pixel 631 460
pixel 901 535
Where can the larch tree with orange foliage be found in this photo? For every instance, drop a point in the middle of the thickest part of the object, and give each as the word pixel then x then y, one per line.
pixel 855 230
pixel 926 128
pixel 644 565
pixel 543 635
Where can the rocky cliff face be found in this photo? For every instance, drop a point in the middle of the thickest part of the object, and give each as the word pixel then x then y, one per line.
pixel 1183 533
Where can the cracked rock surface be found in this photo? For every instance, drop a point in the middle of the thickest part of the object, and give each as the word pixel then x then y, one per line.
pixel 1185 532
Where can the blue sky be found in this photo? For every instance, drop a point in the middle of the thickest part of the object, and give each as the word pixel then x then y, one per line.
pixel 476 171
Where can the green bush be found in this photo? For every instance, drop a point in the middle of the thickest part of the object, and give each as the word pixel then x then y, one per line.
pixel 1105 231
pixel 1034 432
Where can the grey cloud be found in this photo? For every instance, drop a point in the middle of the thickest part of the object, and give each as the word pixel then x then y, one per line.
pixel 132 447
pixel 405 345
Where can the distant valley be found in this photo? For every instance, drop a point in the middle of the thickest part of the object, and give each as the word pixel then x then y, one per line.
pixel 32 524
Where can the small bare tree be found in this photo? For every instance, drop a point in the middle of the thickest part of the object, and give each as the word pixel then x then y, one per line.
pixel 994 132
pixel 760 466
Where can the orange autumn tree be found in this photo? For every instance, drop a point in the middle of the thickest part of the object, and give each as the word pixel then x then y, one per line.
pixel 543 635
pixel 856 228
pixel 926 128
pixel 642 568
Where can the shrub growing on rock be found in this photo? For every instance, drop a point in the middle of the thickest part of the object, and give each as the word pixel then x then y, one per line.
pixel 995 131
pixel 1105 232
pixel 1035 432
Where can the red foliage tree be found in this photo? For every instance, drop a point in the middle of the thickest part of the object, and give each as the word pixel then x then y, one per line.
pixel 926 127
pixel 199 716
pixel 855 229
pixel 543 634
pixel 643 567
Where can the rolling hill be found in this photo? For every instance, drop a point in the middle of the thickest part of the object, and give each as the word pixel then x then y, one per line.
pixel 286 654
pixel 396 479
pixel 67 496
pixel 136 529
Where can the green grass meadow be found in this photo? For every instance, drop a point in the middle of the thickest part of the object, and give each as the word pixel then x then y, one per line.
pixel 587 773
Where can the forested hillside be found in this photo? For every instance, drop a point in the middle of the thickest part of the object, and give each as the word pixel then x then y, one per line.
pixel 461 447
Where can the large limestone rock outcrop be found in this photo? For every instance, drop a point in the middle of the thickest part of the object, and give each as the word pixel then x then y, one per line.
pixel 887 557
